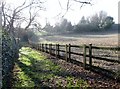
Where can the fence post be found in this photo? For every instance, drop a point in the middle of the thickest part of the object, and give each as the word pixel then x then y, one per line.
pixel 84 56
pixel 38 46
pixel 35 46
pixel 66 52
pixel 90 55
pixel 69 52
pixel 50 48
pixel 56 50
pixel 42 48
pixel 46 48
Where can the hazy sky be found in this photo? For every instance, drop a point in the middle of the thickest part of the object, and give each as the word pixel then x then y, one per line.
pixel 75 13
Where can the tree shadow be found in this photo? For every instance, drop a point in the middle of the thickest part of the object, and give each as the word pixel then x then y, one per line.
pixel 41 70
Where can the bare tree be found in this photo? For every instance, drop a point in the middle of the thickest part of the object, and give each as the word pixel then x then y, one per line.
pixel 69 5
pixel 13 17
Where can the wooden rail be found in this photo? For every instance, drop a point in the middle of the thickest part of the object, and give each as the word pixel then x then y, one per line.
pixel 55 49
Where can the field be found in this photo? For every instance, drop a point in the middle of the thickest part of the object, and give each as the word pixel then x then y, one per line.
pixel 79 39
pixel 99 39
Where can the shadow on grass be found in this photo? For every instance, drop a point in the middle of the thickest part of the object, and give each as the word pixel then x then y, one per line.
pixel 41 71
pixel 28 70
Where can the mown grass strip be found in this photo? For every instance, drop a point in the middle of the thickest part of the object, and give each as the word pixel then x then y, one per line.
pixel 34 69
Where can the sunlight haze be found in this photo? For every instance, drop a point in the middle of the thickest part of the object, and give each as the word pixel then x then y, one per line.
pixel 75 13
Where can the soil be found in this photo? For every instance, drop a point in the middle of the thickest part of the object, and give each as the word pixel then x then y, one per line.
pixel 94 80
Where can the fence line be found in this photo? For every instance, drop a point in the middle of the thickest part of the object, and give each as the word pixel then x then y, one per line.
pixel 54 49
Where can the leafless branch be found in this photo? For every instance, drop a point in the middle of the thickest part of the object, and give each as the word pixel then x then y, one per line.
pixel 82 2
pixel 21 5
pixel 23 8
pixel 3 12
pixel 60 4
pixel 82 5
pixel 68 5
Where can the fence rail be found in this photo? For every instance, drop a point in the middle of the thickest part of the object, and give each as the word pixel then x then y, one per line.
pixel 65 51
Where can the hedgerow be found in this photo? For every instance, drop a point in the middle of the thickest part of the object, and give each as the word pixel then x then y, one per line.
pixel 9 54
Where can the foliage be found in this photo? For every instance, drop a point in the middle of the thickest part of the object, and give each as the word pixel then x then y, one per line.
pixel 48 28
pixel 63 27
pixel 9 53
pixel 108 22
pixel 26 35
pixel 95 23
pixel 29 35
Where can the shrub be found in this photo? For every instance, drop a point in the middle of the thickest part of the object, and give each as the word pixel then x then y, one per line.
pixel 9 53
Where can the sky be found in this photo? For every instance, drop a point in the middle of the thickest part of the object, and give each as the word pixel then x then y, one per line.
pixel 75 13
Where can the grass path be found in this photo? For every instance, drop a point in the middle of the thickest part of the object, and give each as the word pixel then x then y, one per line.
pixel 33 69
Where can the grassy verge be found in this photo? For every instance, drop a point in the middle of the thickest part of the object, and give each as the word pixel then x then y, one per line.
pixel 34 69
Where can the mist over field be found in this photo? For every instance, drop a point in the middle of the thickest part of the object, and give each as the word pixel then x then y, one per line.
pixel 103 38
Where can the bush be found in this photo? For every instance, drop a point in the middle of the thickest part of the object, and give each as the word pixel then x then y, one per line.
pixel 9 53
pixel 29 35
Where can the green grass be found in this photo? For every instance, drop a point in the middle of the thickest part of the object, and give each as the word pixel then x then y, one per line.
pixel 34 69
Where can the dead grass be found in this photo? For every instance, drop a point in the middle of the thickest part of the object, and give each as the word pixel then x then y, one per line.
pixel 99 40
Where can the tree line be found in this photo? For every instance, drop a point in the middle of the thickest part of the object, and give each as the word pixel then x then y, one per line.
pixel 95 23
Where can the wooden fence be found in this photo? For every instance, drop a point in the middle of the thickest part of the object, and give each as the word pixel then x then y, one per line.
pixel 87 52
